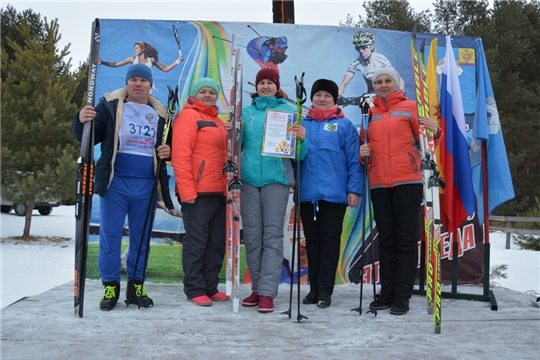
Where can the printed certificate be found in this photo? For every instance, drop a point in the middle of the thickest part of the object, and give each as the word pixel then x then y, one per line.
pixel 278 138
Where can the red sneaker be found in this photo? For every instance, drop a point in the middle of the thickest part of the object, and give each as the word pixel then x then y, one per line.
pixel 202 300
pixel 251 300
pixel 266 304
pixel 219 296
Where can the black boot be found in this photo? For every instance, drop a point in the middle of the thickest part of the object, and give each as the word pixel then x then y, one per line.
pixel 324 300
pixel 310 298
pixel 110 296
pixel 136 294
pixel 382 302
pixel 400 306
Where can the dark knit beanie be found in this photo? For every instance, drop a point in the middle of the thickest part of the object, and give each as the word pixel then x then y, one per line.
pixel 269 74
pixel 140 70
pixel 326 85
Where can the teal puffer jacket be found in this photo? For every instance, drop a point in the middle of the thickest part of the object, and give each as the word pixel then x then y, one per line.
pixel 256 169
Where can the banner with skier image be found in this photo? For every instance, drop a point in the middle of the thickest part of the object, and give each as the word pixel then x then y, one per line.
pixel 180 52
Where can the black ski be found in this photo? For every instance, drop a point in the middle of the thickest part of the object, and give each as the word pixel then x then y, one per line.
pixel 85 178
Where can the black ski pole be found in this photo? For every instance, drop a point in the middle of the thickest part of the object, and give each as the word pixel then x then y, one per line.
pixel 291 264
pixel 363 246
pixel 249 26
pixel 229 41
pixel 146 235
pixel 300 99
pixel 366 120
pixel 374 310
pixel 363 104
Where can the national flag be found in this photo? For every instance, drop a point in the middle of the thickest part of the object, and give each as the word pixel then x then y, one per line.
pixel 458 201
pixel 487 127
pixel 433 93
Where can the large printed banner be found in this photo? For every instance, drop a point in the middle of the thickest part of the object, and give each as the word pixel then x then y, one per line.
pixel 203 48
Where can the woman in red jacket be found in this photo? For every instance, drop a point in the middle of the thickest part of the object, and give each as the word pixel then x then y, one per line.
pixel 396 186
pixel 199 152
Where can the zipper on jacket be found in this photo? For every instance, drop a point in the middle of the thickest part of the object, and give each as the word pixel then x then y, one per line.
pixel 251 122
pixel 412 161
pixel 200 172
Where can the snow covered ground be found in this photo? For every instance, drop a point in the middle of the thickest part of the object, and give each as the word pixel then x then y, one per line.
pixel 35 267
pixel 42 325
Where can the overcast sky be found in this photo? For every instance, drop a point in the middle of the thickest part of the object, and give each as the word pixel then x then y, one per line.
pixel 75 17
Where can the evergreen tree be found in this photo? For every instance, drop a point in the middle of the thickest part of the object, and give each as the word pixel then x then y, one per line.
pixel 512 45
pixel 38 149
pixel 460 17
pixel 79 96
pixel 9 27
pixel 391 15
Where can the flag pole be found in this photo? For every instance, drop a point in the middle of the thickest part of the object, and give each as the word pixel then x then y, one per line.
pixel 487 244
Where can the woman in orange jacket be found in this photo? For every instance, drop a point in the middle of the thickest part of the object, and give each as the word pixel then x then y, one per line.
pixel 199 152
pixel 396 186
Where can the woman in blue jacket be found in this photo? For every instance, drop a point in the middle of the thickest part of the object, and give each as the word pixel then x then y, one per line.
pixel 330 180
pixel 266 192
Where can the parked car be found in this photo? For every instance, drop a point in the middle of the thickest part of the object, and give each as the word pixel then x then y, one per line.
pixel 43 207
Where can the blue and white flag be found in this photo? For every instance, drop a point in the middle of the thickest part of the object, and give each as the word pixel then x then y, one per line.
pixel 487 127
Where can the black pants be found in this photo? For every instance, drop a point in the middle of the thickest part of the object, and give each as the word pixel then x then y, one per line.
pixel 396 212
pixel 203 246
pixel 323 241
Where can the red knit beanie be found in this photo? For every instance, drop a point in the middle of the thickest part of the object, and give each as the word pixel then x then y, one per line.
pixel 270 74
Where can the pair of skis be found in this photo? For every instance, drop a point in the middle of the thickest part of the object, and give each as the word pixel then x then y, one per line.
pixel 234 184
pixel 432 182
pixel 85 179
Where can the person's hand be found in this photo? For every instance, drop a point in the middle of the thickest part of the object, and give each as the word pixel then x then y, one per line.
pixel 300 131
pixel 365 150
pixel 228 125
pixel 430 124
pixel 87 113
pixel 353 199
pixel 164 151
pixel 192 201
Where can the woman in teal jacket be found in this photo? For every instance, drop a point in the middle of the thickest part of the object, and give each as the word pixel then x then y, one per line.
pixel 264 200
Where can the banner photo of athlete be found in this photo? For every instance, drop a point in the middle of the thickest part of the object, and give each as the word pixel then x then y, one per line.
pixel 180 52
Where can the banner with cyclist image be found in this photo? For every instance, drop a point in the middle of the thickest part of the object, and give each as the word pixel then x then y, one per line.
pixel 180 52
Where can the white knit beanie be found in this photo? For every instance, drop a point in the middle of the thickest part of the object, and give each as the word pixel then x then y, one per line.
pixel 390 71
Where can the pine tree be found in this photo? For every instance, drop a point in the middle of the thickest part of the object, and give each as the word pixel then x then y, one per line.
pixel 391 15
pixel 38 149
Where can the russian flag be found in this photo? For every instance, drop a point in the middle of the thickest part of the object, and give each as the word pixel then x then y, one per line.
pixel 458 201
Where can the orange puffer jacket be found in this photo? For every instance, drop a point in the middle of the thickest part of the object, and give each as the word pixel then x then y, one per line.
pixel 199 151
pixel 393 138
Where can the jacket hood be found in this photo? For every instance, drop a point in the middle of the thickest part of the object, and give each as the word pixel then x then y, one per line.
pixel 121 94
pixel 320 114
pixel 193 104
pixel 390 99
pixel 267 102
